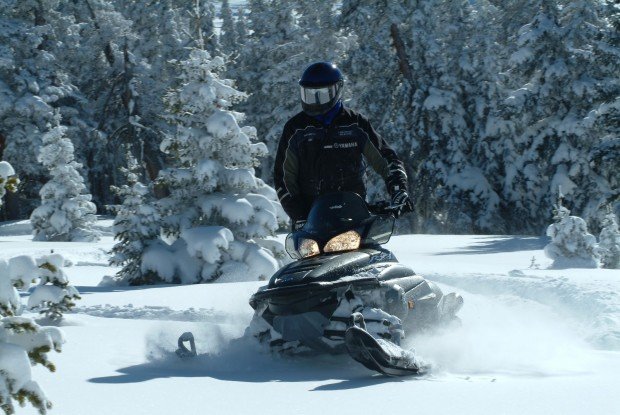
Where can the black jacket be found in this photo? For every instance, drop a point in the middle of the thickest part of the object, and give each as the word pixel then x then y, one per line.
pixel 314 159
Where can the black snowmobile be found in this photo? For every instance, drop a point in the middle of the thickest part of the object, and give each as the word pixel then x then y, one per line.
pixel 346 293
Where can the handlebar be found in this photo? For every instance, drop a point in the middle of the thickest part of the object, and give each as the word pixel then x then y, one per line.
pixel 383 207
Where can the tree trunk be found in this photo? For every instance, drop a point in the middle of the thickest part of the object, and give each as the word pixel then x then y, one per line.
pixel 401 53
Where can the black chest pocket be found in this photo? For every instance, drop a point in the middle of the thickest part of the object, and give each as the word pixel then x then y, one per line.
pixel 309 159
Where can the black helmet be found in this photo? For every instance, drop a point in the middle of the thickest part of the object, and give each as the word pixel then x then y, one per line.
pixel 321 88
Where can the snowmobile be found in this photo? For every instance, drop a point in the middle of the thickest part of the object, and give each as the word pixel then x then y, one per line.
pixel 345 293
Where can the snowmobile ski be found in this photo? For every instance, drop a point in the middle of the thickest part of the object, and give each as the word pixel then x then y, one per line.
pixel 387 358
pixel 183 351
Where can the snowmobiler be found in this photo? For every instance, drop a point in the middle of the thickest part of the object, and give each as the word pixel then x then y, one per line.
pixel 345 293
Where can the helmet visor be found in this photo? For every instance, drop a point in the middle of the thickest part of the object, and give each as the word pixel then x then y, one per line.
pixel 318 96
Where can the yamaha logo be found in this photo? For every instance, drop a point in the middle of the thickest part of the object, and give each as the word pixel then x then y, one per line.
pixel 341 145
pixel 345 145
pixel 336 207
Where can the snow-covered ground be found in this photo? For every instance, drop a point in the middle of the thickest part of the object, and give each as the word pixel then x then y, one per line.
pixel 532 341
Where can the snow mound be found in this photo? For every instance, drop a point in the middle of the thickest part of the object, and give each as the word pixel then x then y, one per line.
pixel 152 313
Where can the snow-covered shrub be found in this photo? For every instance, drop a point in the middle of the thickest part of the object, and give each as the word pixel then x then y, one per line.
pixel 10 304
pixel 571 244
pixel 22 271
pixel 8 181
pixel 22 342
pixel 609 242
pixel 66 212
pixel 217 209
pixel 53 296
pixel 136 226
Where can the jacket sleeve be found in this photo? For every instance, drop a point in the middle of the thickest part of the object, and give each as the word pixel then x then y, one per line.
pixel 383 158
pixel 285 175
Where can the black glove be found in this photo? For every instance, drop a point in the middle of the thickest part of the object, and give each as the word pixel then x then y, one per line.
pixel 401 202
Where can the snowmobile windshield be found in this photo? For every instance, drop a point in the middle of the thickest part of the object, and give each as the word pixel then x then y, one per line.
pixel 339 222
pixel 336 212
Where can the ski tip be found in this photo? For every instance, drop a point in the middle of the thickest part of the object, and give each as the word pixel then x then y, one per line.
pixel 182 351
pixel 366 350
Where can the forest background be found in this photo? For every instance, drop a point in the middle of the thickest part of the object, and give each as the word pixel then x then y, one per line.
pixel 493 105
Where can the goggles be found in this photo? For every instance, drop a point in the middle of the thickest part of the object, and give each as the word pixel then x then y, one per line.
pixel 318 96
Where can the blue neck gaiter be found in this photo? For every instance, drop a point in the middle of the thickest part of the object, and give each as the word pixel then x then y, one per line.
pixel 327 118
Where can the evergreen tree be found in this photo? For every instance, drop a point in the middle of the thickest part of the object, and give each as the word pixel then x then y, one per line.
pixel 268 69
pixel 115 86
pixel 228 35
pixel 372 65
pixel 202 28
pixel 22 342
pixel 241 29
pixel 66 212
pixel 32 84
pixel 159 36
pixel 609 241
pixel 571 245
pixel 217 208
pixel 455 181
pixel 136 226
pixel 556 68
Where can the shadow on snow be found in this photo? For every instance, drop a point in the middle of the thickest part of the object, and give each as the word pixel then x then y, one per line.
pixel 242 362
pixel 498 244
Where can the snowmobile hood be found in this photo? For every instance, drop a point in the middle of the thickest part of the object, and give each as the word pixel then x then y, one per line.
pixel 330 268
pixel 311 276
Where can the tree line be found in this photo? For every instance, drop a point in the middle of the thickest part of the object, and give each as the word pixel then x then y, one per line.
pixel 493 105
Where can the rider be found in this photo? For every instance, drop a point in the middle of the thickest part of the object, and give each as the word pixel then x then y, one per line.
pixel 321 148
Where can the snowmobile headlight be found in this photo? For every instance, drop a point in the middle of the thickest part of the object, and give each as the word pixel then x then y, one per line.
pixel 347 241
pixel 308 247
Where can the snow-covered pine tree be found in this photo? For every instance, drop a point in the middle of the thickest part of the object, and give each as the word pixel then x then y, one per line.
pixel 228 35
pixel 378 78
pixel 54 296
pixel 268 68
pixel 509 17
pixel 217 210
pixel 442 88
pixel 405 124
pixel 462 196
pixel 22 342
pixel 497 24
pixel 241 27
pixel 556 70
pixel 483 94
pixel 571 246
pixel 609 241
pixel 136 226
pixel 371 65
pixel 111 78
pixel 10 303
pixel 603 122
pixel 16 382
pixel 202 27
pixel 32 84
pixel 158 36
pixel 66 212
